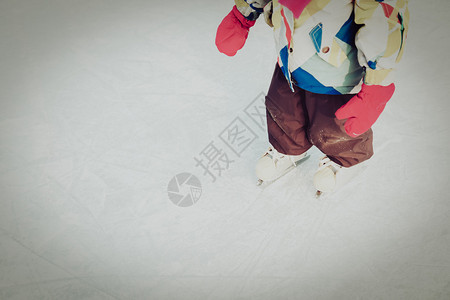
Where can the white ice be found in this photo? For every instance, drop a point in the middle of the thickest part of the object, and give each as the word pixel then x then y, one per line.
pixel 103 102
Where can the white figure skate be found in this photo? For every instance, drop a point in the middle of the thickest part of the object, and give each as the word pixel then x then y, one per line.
pixel 273 165
pixel 330 176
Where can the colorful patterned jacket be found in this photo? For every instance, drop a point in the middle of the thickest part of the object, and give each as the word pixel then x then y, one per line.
pixel 334 45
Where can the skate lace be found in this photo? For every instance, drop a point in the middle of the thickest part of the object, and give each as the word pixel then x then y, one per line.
pixel 325 162
pixel 277 156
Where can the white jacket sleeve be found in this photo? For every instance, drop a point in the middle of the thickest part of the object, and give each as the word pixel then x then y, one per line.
pixel 251 9
pixel 381 38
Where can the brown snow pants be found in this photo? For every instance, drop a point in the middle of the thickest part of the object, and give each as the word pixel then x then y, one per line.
pixel 298 120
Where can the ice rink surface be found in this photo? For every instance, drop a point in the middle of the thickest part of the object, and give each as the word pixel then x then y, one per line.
pixel 104 103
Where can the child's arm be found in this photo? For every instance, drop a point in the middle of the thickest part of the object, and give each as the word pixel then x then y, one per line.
pixel 251 9
pixel 380 42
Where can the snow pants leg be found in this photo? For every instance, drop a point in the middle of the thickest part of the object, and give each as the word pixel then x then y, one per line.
pixel 298 120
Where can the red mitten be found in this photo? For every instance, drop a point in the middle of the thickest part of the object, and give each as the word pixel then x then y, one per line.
pixel 232 32
pixel 364 108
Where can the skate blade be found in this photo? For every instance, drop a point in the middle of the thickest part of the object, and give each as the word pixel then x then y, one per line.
pixel 299 162
pixel 261 182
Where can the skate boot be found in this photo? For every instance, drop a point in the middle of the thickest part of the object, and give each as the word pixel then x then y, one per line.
pixel 330 176
pixel 273 165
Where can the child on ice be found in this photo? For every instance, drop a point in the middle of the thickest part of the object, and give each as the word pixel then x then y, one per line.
pixel 333 78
